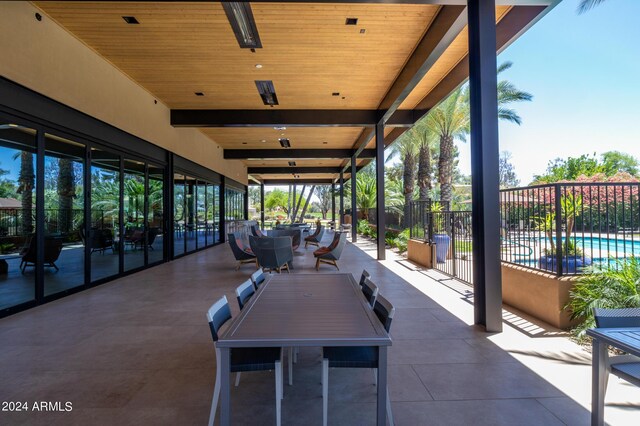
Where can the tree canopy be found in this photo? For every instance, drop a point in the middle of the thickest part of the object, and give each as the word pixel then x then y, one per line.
pixel 609 164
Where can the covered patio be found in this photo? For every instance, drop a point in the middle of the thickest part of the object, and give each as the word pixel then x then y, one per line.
pixel 138 351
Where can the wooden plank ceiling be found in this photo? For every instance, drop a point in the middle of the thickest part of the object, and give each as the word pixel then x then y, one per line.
pixel 314 59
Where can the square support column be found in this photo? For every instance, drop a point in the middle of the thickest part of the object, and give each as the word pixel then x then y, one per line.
pixel 262 205
pixel 354 209
pixel 333 203
pixel 381 226
pixel 487 278
pixel 246 202
pixel 341 198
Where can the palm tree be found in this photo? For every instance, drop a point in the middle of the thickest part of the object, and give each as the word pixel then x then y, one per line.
pixel 406 149
pixel 588 4
pixel 365 193
pixel 450 120
pixel 66 193
pixel 26 183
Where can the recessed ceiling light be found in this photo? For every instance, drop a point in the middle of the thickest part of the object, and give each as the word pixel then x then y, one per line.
pixel 362 31
pixel 199 93
pixel 244 143
pixel 324 143
pixel 258 66
pixel 279 128
pixel 292 163
pixel 284 142
pixel 335 94
pixel 130 20
pixel 351 21
pixel 263 141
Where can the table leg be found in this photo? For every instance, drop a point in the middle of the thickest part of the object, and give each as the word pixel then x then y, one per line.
pixel 598 371
pixel 382 386
pixel 225 397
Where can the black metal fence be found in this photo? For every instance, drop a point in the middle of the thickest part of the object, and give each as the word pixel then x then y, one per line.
pixel 562 228
pixel 19 222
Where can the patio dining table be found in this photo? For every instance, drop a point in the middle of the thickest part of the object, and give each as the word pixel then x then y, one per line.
pixel 626 339
pixel 305 310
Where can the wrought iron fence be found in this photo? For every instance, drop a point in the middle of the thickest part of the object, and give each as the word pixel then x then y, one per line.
pixel 450 231
pixel 563 228
pixel 19 222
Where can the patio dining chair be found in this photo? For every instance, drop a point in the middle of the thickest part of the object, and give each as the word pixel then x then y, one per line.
pixel 370 291
pixel 356 357
pixel 244 292
pixel 626 367
pixel 242 359
pixel 257 278
pixel 364 276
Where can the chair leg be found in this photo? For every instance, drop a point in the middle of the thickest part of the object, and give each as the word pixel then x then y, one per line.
pixel 216 396
pixel 287 265
pixel 325 390
pixel 290 366
pixel 238 266
pixel 389 413
pixel 278 392
pixel 317 264
pixel 237 378
pixel 295 354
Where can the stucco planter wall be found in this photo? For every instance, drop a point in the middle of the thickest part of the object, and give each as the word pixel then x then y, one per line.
pixel 538 294
pixel 421 253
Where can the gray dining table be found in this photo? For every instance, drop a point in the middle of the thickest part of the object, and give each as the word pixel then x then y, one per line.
pixel 305 310
pixel 626 339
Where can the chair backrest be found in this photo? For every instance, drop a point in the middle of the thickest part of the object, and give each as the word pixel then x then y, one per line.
pixel 258 278
pixel 316 231
pixel 244 292
pixel 256 232
pixel 385 311
pixel 52 249
pixel 272 252
pixel 237 247
pixel 614 318
pixel 364 276
pixel 153 233
pixel 370 291
pixel 340 242
pixel 218 314
pixel 320 233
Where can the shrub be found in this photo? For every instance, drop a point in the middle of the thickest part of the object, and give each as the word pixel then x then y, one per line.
pixel 611 285
pixel 364 228
pixel 391 242
pixel 401 240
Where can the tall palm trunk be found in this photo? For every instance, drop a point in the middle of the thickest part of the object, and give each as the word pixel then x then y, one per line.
pixel 408 179
pixel 424 171
pixel 445 169
pixel 26 183
pixel 66 193
pixel 306 204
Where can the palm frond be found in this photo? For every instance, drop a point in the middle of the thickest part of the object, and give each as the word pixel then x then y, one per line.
pixel 586 5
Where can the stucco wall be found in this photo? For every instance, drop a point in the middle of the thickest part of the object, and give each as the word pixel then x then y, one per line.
pixel 47 59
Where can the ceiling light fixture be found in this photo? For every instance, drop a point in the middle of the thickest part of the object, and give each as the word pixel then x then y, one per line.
pixel 292 163
pixel 267 92
pixel 351 21
pixel 284 142
pixel 258 66
pixel 199 93
pixel 263 141
pixel 130 20
pixel 279 128
pixel 335 94
pixel 244 26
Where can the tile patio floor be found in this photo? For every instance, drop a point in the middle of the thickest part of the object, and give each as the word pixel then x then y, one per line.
pixel 137 351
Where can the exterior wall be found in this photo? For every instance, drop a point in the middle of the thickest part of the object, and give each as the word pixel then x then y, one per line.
pixel 47 59
pixel 538 294
pixel 420 252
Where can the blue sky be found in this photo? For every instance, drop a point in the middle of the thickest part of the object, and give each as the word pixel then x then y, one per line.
pixel 584 73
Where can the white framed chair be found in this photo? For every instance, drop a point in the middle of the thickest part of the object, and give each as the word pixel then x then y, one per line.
pixel 242 359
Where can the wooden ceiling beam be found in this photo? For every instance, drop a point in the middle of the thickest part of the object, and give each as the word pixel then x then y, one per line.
pixel 287 154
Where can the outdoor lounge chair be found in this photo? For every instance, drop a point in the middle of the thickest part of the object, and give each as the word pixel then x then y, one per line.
pixel 331 254
pixel 52 250
pixel 315 238
pixel 256 232
pixel 355 357
pixel 242 359
pixel 273 253
pixel 240 252
pixel 100 239
pixel 626 367
pixel 294 233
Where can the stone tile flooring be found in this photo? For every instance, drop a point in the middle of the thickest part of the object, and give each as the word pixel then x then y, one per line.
pixel 137 351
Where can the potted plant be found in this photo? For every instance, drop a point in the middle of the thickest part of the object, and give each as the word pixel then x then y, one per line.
pixel 573 259
pixel 440 238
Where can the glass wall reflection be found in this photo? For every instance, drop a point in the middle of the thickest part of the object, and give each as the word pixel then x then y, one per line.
pixel 134 215
pixel 63 214
pixel 155 216
pixel 17 214
pixel 104 235
pixel 190 213
pixel 201 214
pixel 179 215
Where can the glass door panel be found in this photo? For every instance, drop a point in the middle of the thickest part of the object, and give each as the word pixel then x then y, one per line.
pixel 155 216
pixel 17 214
pixel 179 214
pixel 63 214
pixel 134 214
pixel 201 214
pixel 190 213
pixel 105 209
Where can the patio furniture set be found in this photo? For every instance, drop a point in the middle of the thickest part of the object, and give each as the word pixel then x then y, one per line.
pixel 352 334
pixel 274 251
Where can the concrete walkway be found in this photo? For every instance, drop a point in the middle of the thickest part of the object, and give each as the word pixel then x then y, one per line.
pixel 138 351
